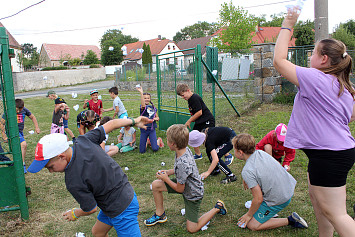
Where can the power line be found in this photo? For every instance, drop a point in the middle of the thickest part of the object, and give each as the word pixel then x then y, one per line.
pixel 130 23
pixel 22 10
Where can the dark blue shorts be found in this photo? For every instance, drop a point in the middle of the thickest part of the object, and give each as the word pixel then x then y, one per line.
pixel 22 138
pixel 65 123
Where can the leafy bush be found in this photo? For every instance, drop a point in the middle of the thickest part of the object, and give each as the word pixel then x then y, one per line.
pixel 94 65
pixel 54 68
pixel 285 97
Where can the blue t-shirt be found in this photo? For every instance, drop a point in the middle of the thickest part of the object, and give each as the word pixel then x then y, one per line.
pixel 149 111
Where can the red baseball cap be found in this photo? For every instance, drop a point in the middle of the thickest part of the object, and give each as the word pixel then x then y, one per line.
pixel 47 148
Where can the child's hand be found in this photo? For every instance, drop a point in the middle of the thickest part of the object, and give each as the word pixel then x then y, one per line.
pixel 131 143
pixel 140 89
pixel 119 141
pixel 86 100
pixel 102 110
pixel 141 121
pixel 204 175
pixel 162 175
pixel 188 124
pixel 68 216
pixel 243 221
pixel 38 130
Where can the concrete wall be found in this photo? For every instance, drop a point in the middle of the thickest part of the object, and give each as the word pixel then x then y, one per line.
pixel 235 86
pixel 48 79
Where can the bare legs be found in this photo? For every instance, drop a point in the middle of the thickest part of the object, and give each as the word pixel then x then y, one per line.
pixel 329 204
pixel 100 229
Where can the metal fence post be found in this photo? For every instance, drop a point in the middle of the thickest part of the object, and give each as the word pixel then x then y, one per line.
pixel 11 121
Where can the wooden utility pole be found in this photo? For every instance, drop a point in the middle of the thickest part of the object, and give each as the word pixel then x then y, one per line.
pixel 321 19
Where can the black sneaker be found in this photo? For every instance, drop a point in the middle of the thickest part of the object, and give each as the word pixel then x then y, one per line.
pixel 155 219
pixel 229 179
pixel 215 172
pixel 296 221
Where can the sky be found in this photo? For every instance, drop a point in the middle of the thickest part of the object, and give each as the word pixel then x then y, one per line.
pixel 83 22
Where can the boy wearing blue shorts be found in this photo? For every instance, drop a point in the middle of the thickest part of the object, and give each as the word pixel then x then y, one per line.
pixel 22 112
pixel 117 104
pixel 93 178
pixel 271 185
pixel 187 182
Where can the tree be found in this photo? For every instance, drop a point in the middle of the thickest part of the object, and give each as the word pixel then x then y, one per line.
pixel 197 30
pixel 237 25
pixel 350 26
pixel 111 57
pixel 276 20
pixel 342 34
pixel 28 58
pixel 147 55
pixel 90 58
pixel 144 54
pixel 304 33
pixel 114 38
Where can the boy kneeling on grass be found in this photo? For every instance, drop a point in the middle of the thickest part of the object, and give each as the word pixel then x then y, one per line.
pixel 188 183
pixel 271 185
pixel 93 178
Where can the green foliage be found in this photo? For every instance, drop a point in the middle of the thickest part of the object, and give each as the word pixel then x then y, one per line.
pixel 29 57
pixel 137 74
pixel 91 58
pixel 54 68
pixel 74 62
pixel 144 54
pixel 111 57
pixel 284 98
pixel 94 65
pixel 171 67
pixel 115 39
pixel 350 26
pixel 304 33
pixel 197 30
pixel 276 20
pixel 237 26
pixel 343 34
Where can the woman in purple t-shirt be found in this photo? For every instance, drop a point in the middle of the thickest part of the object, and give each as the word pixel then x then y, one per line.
pixel 324 105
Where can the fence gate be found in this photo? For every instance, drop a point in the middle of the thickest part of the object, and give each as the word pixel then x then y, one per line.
pixel 185 66
pixel 12 181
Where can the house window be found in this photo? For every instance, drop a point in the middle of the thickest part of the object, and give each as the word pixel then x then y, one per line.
pixel 173 47
pixel 168 47
pixel 167 61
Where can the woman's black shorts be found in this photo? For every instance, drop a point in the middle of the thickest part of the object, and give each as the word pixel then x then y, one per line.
pixel 328 168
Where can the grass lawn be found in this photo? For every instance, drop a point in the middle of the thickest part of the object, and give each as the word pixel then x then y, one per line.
pixel 49 198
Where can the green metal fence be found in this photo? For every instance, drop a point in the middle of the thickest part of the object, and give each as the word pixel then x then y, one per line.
pixel 12 181
pixel 301 56
pixel 188 66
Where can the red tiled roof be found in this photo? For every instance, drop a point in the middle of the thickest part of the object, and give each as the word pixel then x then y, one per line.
pixel 156 46
pixel 264 35
pixel 12 42
pixel 58 51
pixel 186 44
pixel 269 34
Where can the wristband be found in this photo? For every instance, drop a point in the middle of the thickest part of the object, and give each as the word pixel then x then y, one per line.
pixel 133 122
pixel 73 214
pixel 285 28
